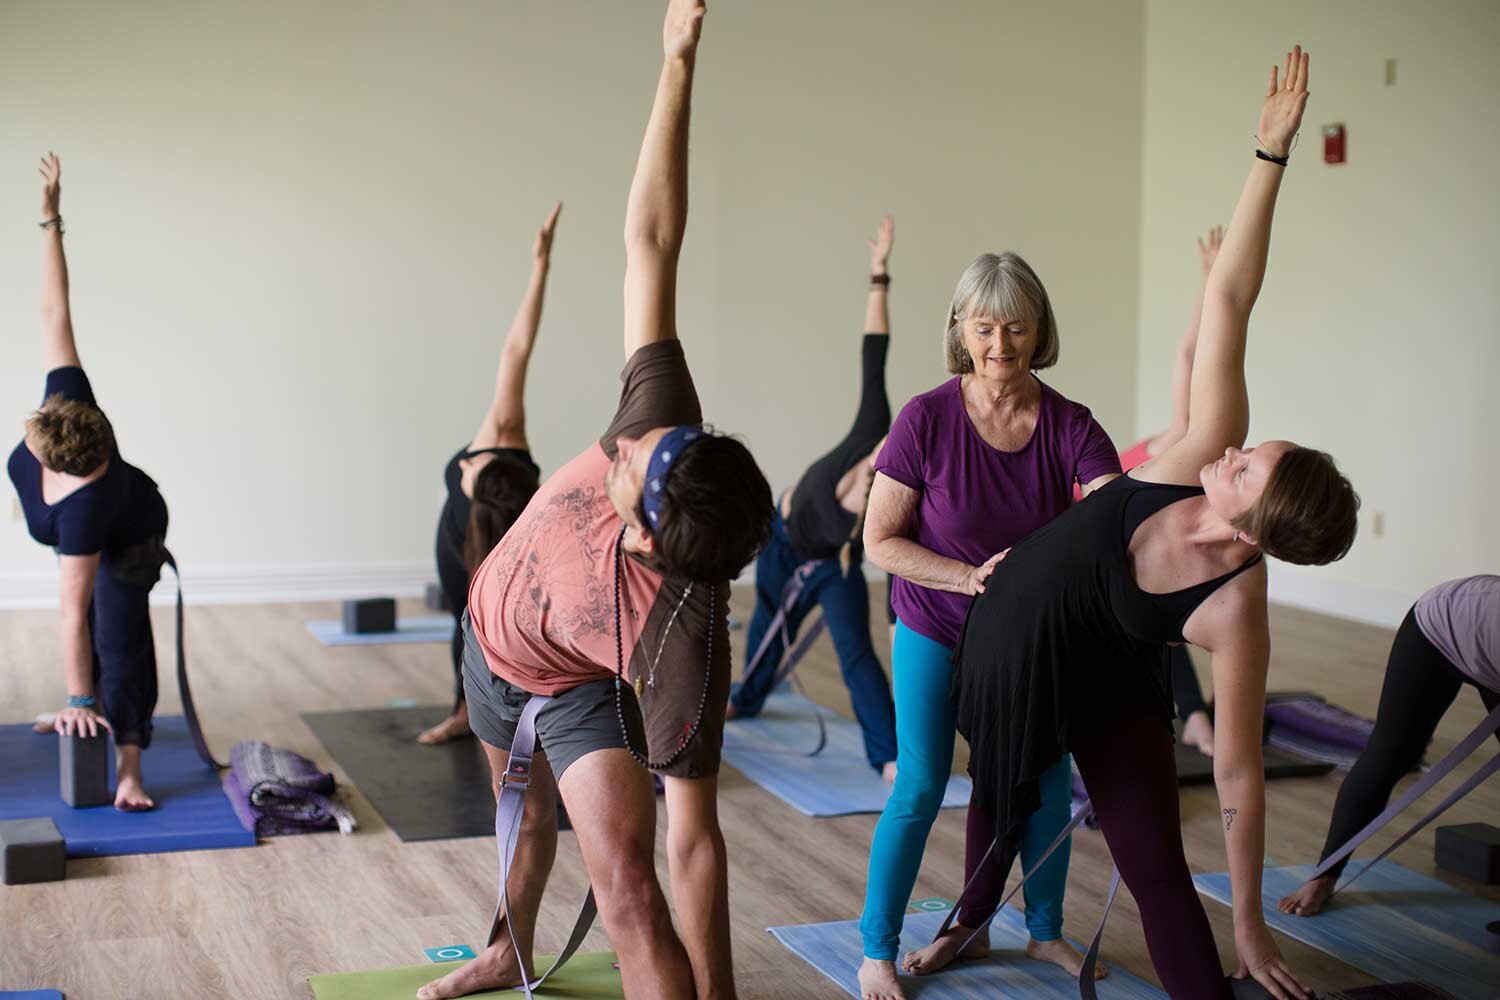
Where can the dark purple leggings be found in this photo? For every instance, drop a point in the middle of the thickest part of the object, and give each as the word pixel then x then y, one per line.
pixel 1128 765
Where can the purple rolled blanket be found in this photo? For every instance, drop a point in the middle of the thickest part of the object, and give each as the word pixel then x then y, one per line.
pixel 275 791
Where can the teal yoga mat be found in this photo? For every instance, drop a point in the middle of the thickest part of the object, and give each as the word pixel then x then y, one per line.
pixel 836 951
pixel 1393 923
pixel 839 781
pixel 437 628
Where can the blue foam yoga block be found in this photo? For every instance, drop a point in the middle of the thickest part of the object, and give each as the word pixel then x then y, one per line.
pixel 192 812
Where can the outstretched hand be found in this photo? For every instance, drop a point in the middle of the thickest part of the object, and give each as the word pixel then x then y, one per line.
pixel 1261 960
pixel 880 246
pixel 542 248
pixel 51 171
pixel 682 28
pixel 1208 248
pixel 1281 115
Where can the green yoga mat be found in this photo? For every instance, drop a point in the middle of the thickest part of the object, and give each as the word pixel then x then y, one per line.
pixel 585 977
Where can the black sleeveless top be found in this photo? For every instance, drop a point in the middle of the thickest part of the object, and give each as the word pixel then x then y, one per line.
pixel 453 522
pixel 1062 636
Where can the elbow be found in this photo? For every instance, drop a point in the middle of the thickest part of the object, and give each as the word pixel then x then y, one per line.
pixel 1238 769
pixel 652 240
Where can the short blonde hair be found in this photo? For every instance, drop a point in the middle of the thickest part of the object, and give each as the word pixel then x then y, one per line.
pixel 71 436
pixel 1004 287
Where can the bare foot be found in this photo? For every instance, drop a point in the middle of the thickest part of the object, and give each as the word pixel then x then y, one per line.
pixel 493 969
pixel 877 981
pixel 1063 955
pixel 888 772
pixel 1198 733
pixel 44 723
pixel 1309 897
pixel 130 794
pixel 946 949
pixel 454 727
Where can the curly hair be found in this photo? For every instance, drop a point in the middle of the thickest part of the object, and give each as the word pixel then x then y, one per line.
pixel 71 436
pixel 502 490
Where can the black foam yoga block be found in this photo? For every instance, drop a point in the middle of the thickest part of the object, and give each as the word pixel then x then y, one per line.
pixel 83 766
pixel 437 599
pixel 1471 850
pixel 31 850
pixel 370 614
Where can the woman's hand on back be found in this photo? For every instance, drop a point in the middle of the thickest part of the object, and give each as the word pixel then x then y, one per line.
pixel 979 575
pixel 1281 115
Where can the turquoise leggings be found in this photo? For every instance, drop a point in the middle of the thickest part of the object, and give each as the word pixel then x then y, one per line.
pixel 924 758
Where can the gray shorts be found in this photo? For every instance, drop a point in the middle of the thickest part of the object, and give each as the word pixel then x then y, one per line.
pixel 574 723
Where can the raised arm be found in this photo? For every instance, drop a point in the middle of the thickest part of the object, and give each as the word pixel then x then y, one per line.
pixel 656 214
pixel 877 310
pixel 1218 403
pixel 57 319
pixel 504 425
pixel 1182 370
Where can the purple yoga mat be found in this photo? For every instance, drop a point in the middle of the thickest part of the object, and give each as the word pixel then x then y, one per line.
pixel 1320 722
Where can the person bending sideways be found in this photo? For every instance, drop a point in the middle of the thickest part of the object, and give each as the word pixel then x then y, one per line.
pixel 969 469
pixel 1450 640
pixel 1063 651
pixel 490 479
pixel 107 521
pixel 609 594
pixel 815 536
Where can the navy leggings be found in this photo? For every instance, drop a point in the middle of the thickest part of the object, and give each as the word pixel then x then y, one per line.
pixel 1420 685
pixel 124 653
pixel 845 599
pixel 1128 765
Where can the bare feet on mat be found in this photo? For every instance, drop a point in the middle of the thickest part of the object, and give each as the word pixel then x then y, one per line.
pixel 947 949
pixel 1309 897
pixel 44 723
pixel 454 727
pixel 1198 733
pixel 130 794
pixel 1063 955
pixel 494 969
pixel 877 981
pixel 888 772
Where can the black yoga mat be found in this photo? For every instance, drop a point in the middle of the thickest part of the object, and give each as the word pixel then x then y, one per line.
pixel 422 792
pixel 1195 769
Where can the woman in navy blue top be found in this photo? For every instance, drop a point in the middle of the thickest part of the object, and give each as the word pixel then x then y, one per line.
pixel 108 523
pixel 491 479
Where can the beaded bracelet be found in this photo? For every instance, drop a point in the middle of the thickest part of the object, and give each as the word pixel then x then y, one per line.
pixel 82 701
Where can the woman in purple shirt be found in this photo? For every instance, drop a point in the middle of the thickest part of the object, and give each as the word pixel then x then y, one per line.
pixel 969 468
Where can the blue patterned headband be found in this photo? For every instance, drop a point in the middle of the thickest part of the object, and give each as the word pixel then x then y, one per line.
pixel 668 450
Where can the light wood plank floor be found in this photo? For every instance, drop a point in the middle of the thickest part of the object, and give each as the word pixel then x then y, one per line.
pixel 254 923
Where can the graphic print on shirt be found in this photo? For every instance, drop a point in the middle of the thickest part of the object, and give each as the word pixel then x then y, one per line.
pixel 565 598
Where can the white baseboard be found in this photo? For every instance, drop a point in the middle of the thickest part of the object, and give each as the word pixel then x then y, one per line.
pixel 1310 590
pixel 247 585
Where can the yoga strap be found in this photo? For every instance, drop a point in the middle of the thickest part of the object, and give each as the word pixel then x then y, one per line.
pixel 793 654
pixel 1086 973
pixel 195 728
pixel 510 801
pixel 1456 756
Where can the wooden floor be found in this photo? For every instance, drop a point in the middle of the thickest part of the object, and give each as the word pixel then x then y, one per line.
pixel 255 923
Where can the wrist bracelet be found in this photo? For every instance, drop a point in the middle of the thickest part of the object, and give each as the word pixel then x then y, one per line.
pixel 82 701
pixel 1280 161
pixel 883 280
pixel 53 223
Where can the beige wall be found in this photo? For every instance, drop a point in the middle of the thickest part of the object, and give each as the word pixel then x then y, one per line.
pixel 298 231
pixel 1376 335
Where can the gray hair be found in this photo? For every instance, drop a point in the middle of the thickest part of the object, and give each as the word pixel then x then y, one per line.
pixel 1002 287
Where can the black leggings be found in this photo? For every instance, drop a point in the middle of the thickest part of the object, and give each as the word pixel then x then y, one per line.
pixel 1185 688
pixel 1420 684
pixel 453 577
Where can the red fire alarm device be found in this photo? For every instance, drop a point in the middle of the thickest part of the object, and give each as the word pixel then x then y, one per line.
pixel 1333 143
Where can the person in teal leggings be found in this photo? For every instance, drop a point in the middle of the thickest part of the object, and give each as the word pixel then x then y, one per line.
pixel 969 469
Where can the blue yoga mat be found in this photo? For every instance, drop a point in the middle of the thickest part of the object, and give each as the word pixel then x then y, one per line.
pixel 837 782
pixel 30 995
pixel 192 812
pixel 1393 923
pixel 437 628
pixel 836 951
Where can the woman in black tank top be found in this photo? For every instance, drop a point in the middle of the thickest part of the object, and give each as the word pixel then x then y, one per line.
pixel 490 481
pixel 1062 652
